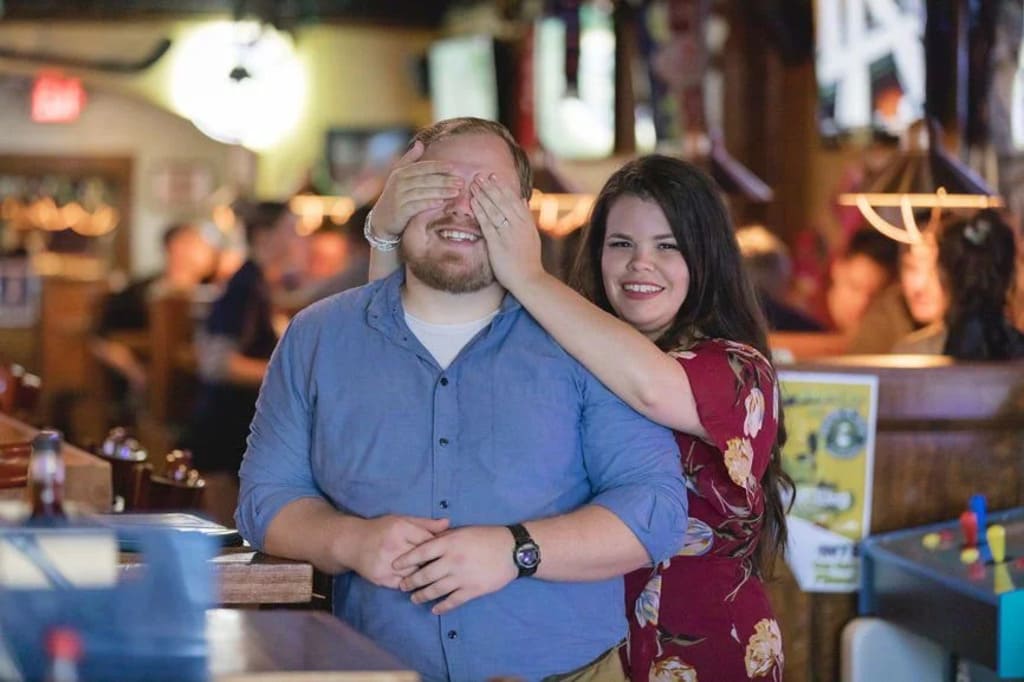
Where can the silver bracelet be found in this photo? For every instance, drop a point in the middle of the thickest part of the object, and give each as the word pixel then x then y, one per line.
pixel 376 242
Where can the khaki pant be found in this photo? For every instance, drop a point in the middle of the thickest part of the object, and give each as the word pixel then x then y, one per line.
pixel 605 668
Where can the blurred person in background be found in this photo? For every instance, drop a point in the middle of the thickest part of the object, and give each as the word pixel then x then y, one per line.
pixel 337 258
pixel 233 349
pixel 868 265
pixel 326 255
pixel 190 259
pixel 977 259
pixel 913 303
pixel 767 261
pixel 344 260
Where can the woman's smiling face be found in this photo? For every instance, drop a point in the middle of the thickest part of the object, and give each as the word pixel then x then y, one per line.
pixel 645 275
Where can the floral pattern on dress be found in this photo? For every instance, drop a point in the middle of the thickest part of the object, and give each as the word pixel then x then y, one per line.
pixel 714 618
pixel 755 413
pixel 672 669
pixel 764 649
pixel 649 603
pixel 698 540
pixel 738 460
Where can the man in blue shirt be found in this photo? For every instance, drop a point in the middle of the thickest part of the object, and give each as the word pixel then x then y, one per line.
pixel 476 491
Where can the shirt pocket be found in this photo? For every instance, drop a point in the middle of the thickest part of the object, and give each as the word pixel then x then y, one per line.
pixel 366 461
pixel 533 439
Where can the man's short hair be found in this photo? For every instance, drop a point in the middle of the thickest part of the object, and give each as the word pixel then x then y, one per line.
pixel 468 125
pixel 870 243
pixel 766 258
pixel 260 217
pixel 175 229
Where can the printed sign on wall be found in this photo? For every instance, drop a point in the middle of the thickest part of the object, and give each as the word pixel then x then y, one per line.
pixel 830 421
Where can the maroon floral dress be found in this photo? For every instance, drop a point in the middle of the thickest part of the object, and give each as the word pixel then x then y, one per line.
pixel 703 616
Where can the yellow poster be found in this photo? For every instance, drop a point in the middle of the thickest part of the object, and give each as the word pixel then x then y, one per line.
pixel 829 453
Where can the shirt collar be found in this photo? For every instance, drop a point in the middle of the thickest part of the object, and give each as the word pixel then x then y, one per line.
pixel 385 311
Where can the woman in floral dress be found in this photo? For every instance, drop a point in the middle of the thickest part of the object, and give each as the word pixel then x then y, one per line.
pixel 675 331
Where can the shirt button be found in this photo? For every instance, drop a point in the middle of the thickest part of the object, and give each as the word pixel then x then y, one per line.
pixel 444 381
pixel 444 504
pixel 443 441
pixel 452 634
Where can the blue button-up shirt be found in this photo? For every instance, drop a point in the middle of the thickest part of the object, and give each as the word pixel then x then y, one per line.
pixel 354 409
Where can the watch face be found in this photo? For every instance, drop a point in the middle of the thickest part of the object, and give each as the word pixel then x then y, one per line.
pixel 528 555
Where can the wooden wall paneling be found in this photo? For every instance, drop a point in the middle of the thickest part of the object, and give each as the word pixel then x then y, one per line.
pixel 926 477
pixel 73 386
pixel 170 345
pixel 793 610
pixel 625 18
pixel 934 388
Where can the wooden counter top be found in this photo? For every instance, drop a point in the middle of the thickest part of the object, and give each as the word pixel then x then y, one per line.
pixel 87 478
pixel 250 577
pixel 286 646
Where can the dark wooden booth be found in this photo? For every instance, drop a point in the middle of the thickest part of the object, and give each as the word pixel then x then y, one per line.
pixel 946 430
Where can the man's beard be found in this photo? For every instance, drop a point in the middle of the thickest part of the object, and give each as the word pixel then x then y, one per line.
pixel 449 272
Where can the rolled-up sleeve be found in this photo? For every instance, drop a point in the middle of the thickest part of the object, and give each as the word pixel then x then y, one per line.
pixel 276 468
pixel 635 470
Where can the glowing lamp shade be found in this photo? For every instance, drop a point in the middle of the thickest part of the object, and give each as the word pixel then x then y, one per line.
pixel 239 83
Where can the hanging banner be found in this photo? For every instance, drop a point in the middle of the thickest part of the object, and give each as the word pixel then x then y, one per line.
pixel 829 453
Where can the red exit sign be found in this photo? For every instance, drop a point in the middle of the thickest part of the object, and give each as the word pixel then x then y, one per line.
pixel 57 99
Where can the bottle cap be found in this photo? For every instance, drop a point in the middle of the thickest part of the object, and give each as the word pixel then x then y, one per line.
pixel 47 439
pixel 64 642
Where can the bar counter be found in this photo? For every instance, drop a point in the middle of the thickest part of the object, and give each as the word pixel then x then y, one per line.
pixel 245 576
pixel 249 577
pixel 286 646
pixel 87 478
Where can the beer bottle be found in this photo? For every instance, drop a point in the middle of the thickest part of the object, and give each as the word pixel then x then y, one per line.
pixel 46 477
pixel 64 646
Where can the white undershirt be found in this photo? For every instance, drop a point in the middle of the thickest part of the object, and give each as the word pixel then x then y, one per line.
pixel 444 341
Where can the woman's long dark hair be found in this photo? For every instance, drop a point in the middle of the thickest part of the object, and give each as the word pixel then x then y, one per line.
pixel 720 302
pixel 977 262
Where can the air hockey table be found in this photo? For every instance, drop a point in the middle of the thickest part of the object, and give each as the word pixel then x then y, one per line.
pixel 929 581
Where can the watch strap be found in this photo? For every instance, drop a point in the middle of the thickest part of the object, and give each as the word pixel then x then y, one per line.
pixel 519 533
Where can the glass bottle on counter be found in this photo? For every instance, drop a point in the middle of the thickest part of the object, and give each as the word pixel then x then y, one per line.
pixel 64 647
pixel 46 478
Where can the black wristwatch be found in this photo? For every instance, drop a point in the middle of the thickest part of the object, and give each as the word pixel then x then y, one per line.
pixel 526 554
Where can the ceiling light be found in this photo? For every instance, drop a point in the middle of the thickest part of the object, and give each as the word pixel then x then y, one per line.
pixel 922 175
pixel 239 83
